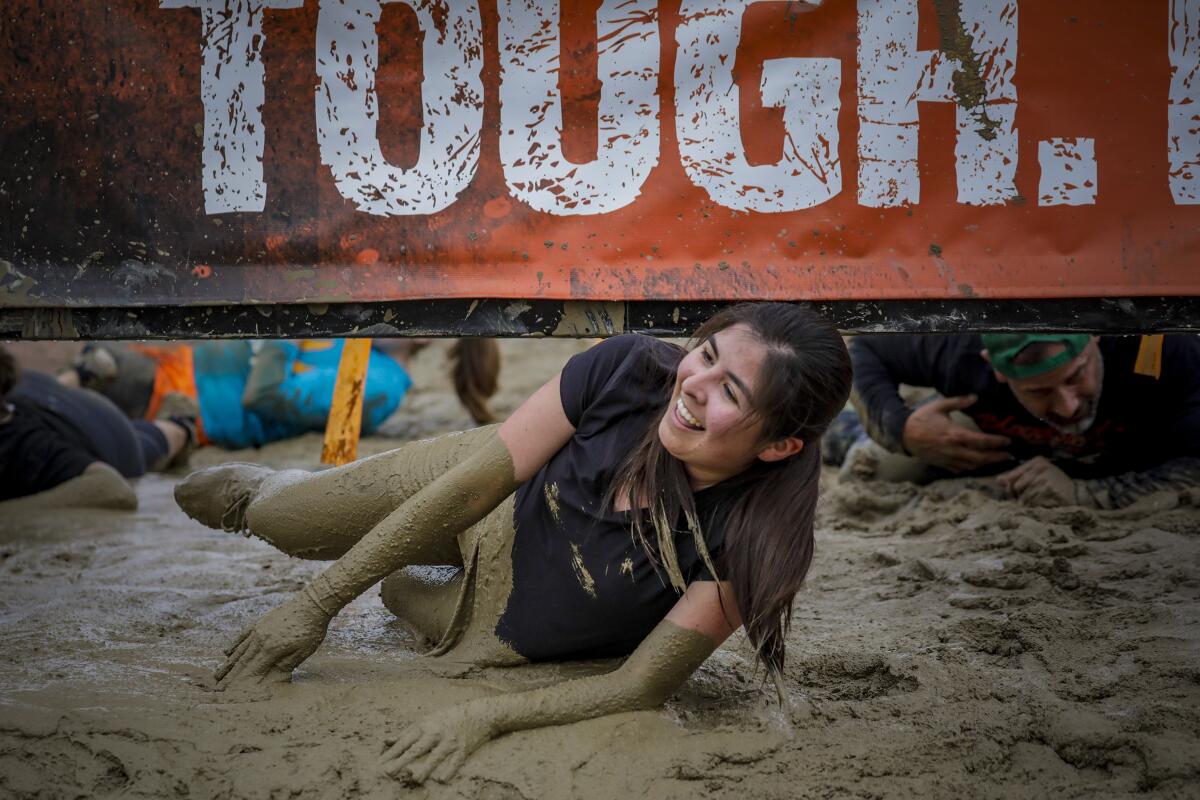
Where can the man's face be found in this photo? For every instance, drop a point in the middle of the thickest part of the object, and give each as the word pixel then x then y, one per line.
pixel 1067 398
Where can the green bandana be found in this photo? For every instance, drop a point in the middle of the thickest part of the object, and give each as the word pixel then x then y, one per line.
pixel 1003 349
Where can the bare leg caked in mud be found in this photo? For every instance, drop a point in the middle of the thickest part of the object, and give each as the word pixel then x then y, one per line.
pixel 402 508
pixel 321 515
pixel 424 599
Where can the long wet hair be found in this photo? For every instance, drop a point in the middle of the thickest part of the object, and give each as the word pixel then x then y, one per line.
pixel 804 383
pixel 475 371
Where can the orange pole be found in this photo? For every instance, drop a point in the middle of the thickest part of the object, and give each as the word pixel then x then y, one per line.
pixel 345 413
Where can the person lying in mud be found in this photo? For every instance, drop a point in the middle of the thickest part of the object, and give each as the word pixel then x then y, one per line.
pixel 646 502
pixel 71 448
pixel 1059 418
pixel 249 393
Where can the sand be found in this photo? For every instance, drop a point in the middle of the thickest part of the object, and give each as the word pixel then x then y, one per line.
pixel 948 644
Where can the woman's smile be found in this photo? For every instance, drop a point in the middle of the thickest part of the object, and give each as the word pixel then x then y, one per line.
pixel 685 418
pixel 709 425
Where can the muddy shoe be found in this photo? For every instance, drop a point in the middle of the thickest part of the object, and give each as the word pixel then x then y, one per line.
pixel 96 367
pixel 180 459
pixel 177 404
pixel 219 496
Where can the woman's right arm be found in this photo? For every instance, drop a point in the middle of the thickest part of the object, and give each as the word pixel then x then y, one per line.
pixel 698 623
pixel 459 498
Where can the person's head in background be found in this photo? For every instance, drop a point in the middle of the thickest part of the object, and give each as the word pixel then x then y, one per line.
pixel 8 372
pixel 1057 377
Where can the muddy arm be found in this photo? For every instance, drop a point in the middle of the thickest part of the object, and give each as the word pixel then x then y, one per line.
pixel 284 638
pixel 655 671
pixel 456 500
pixel 439 744
pixel 1118 491
pixel 697 624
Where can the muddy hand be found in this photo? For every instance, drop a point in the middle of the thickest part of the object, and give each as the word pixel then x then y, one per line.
pixel 1038 482
pixel 275 645
pixel 436 746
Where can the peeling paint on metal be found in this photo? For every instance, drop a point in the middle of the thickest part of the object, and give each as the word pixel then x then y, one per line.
pixel 970 90
pixel 15 286
pixel 591 319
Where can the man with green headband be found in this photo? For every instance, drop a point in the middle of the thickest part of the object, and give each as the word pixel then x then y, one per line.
pixel 1059 418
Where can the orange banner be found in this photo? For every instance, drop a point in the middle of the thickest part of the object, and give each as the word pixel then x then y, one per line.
pixel 317 151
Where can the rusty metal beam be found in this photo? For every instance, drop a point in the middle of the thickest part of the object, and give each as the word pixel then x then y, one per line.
pixel 516 318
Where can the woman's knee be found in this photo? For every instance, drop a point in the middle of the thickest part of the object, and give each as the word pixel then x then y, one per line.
pixel 423 598
pixel 289 515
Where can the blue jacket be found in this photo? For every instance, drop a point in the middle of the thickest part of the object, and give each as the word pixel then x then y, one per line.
pixel 293 389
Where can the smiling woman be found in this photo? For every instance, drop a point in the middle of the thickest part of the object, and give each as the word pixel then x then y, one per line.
pixel 709 456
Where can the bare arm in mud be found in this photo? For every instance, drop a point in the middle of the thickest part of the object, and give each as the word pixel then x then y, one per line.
pixel 281 640
pixel 440 743
pixel 99 486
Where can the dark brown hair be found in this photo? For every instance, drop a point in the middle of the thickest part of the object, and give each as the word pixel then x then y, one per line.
pixel 804 383
pixel 475 371
pixel 8 372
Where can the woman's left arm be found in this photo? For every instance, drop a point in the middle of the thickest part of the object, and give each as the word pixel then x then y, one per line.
pixel 697 624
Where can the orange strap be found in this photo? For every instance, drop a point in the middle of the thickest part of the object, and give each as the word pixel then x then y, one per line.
pixel 1149 357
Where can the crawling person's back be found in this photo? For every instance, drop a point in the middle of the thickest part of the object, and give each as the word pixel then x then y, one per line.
pixel 54 438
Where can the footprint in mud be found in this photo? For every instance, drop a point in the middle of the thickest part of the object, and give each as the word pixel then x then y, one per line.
pixel 977 602
pixel 910 577
pixel 1080 520
pixel 850 676
pixel 1092 741
pixel 1003 637
pixel 83 767
pixel 868 502
pixel 1009 576
pixel 1020 571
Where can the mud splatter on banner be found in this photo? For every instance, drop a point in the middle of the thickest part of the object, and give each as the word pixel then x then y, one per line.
pixel 323 151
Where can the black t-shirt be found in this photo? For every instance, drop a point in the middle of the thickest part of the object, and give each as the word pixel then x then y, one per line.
pixel 38 451
pixel 56 432
pixel 1141 421
pixel 582 586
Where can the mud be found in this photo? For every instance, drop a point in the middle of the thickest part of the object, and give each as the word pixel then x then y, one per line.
pixel 949 643
pixel 100 486
pixel 970 88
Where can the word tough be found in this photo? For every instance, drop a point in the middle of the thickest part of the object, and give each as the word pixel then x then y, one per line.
pixel 973 69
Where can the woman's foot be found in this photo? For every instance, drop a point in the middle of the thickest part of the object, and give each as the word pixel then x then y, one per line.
pixel 219 496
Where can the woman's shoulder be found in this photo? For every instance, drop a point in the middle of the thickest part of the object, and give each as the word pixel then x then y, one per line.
pixel 618 354
pixel 627 343
pixel 628 362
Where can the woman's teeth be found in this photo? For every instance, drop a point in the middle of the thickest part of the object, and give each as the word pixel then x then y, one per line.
pixel 687 416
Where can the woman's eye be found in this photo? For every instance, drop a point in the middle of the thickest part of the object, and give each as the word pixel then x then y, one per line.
pixel 729 393
pixel 708 359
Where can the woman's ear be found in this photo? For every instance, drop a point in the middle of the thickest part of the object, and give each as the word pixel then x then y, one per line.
pixel 781 449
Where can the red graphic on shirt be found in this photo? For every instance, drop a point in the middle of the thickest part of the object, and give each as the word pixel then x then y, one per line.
pixel 1096 440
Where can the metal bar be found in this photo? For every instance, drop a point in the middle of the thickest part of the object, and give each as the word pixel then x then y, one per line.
pixel 516 318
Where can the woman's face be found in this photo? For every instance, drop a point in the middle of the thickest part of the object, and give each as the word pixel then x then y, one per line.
pixel 709 424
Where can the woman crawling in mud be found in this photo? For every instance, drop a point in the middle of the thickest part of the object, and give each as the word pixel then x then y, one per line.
pixel 646 502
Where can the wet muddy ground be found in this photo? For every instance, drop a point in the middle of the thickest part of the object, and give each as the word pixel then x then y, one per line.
pixel 949 644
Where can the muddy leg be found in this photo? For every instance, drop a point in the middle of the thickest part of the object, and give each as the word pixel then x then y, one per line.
pixel 322 515
pixel 424 599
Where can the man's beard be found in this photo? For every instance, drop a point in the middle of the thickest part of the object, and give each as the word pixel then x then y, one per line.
pixel 1090 409
pixel 1076 428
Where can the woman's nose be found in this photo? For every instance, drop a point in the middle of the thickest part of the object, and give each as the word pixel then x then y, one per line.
pixel 694 384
